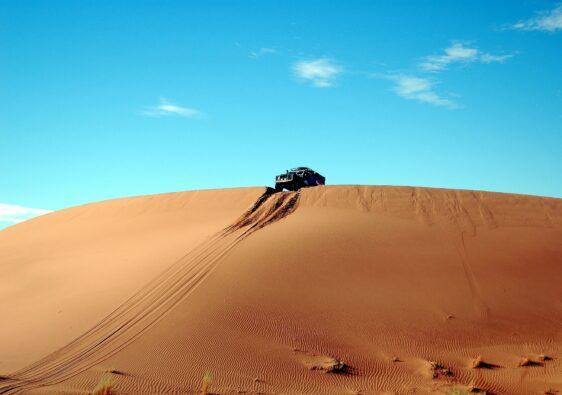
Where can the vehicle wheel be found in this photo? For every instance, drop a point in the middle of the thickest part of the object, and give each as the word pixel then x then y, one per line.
pixel 278 188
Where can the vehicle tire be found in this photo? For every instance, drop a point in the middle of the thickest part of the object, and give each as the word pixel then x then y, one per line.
pixel 278 188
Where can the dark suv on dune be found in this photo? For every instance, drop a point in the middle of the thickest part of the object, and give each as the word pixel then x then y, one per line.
pixel 298 178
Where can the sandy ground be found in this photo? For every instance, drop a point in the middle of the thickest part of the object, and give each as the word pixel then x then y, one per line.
pixel 338 289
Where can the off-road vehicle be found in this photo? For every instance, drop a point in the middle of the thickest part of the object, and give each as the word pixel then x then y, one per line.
pixel 298 178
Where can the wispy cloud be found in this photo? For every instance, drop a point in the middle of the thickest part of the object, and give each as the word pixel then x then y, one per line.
pixel 459 53
pixel 489 58
pixel 167 108
pixel 261 52
pixel 548 21
pixel 12 214
pixel 419 89
pixel 321 73
pixel 453 54
pixel 416 86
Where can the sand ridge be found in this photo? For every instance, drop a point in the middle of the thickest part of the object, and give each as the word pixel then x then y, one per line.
pixel 130 320
pixel 404 287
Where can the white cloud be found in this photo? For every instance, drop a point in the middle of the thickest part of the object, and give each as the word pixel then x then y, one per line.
pixel 453 54
pixel 261 52
pixel 489 58
pixel 549 21
pixel 320 72
pixel 12 214
pixel 459 53
pixel 419 89
pixel 167 108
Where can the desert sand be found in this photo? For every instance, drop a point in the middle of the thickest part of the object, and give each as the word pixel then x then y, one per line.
pixel 333 289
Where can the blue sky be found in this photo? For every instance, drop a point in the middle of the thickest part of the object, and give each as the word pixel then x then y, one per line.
pixel 104 99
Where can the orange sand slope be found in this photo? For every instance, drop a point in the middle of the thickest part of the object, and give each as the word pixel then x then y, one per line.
pixel 339 289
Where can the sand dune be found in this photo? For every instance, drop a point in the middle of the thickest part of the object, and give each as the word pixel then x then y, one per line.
pixel 339 289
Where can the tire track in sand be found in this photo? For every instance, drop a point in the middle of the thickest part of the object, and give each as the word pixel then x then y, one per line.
pixel 151 303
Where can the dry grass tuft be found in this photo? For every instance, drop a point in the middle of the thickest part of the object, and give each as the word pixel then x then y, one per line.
pixel 206 383
pixel 104 387
pixel 544 358
pixel 525 362
pixel 476 362
pixel 331 365
pixel 115 371
pixel 438 370
pixel 479 363
pixel 473 389
pixel 470 389
pixel 336 366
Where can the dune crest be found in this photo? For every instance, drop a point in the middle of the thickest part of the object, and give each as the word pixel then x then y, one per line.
pixel 266 292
